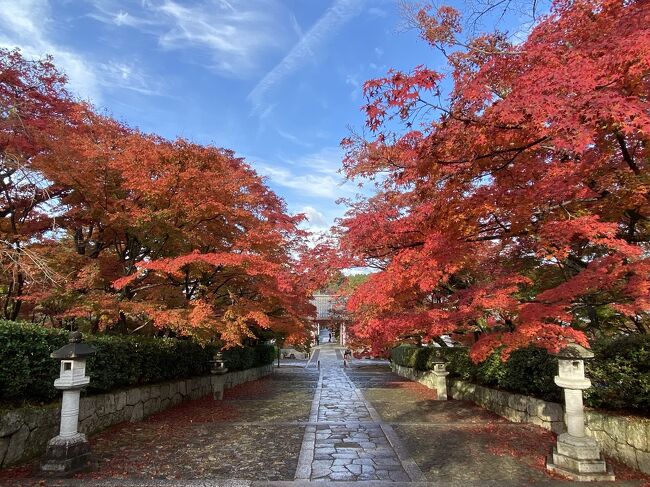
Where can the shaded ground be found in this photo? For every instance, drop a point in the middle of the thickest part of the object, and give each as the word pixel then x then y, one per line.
pixel 208 450
pixel 456 441
pixel 254 433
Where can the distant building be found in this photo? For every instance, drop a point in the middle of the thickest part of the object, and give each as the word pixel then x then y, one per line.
pixel 330 315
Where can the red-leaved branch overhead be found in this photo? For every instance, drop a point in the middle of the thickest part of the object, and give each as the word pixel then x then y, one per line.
pixel 517 211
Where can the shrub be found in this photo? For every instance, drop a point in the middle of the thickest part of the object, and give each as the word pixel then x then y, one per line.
pixel 27 372
pixel 458 363
pixel 531 371
pixel 620 374
pixel 404 355
pixel 26 369
pixel 127 361
pixel 620 371
pixel 241 358
pixel 264 354
pixel 490 372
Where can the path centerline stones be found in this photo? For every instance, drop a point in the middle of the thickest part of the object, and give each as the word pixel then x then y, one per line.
pixel 348 441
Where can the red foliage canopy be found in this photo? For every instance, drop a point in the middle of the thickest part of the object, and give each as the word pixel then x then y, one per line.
pixel 518 211
pixel 110 227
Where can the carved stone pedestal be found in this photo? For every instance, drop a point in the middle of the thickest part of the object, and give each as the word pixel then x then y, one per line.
pixel 66 456
pixel 440 373
pixel 218 379
pixel 69 452
pixel 578 459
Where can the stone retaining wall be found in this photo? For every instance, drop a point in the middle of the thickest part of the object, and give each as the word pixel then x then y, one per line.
pixel 24 432
pixel 625 438
pixel 424 377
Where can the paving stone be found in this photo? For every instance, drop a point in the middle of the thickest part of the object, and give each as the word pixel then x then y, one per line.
pixel 363 461
pixel 342 476
pixel 354 469
pixel 327 450
pixel 345 455
pixel 322 456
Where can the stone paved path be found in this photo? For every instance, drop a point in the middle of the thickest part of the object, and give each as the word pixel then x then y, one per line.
pixel 347 442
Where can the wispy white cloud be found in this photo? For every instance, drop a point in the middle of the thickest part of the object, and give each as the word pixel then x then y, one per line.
pixel 116 12
pixel 313 175
pixel 324 161
pixel 314 185
pixel 337 15
pixel 295 25
pixel 292 138
pixel 236 34
pixel 26 24
pixel 128 76
pixel 353 81
pixel 314 217
pixel 268 110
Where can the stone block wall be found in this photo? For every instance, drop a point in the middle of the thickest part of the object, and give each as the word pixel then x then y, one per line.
pixel 424 377
pixel 515 407
pixel 24 432
pixel 625 438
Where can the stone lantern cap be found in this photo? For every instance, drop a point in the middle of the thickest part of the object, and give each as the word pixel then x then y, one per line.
pixel 574 351
pixel 437 358
pixel 74 349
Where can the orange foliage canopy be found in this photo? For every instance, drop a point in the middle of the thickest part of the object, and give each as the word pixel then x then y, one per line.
pixel 516 208
pixel 104 225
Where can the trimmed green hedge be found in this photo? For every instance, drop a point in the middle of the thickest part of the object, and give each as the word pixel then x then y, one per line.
pixel 27 372
pixel 620 374
pixel 620 371
pixel 26 369
pixel 242 358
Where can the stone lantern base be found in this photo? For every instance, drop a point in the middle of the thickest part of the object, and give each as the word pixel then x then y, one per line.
pixel 578 459
pixel 66 456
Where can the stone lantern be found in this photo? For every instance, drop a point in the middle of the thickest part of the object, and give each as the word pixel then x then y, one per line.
pixel 69 452
pixel 440 374
pixel 218 369
pixel 576 455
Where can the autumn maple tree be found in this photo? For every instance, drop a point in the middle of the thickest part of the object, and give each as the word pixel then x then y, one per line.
pixel 34 106
pixel 107 227
pixel 513 192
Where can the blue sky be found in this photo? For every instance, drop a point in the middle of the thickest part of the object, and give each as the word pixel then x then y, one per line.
pixel 277 81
